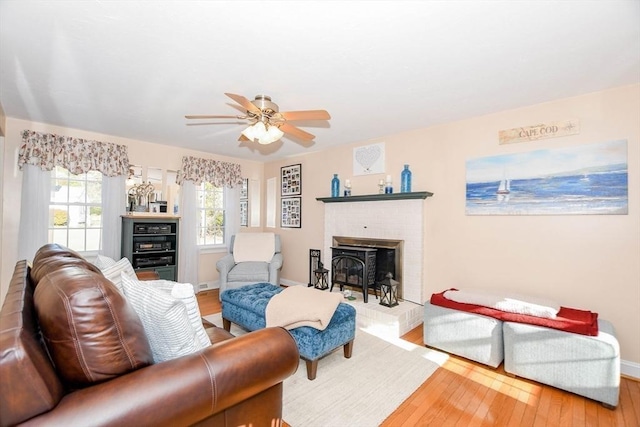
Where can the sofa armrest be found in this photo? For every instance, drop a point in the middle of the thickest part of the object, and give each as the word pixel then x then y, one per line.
pixel 185 390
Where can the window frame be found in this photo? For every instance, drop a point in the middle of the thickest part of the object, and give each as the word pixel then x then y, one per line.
pixel 86 179
pixel 211 247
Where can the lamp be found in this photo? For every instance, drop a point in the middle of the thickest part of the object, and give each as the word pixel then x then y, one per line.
pixel 389 291
pixel 264 134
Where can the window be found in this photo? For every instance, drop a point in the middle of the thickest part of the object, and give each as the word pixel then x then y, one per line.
pixel 75 210
pixel 210 213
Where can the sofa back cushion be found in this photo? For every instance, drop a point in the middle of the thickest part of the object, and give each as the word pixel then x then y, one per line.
pixel 29 385
pixel 90 330
pixel 52 256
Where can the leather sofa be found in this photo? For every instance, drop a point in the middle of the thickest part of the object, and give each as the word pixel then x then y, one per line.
pixel 106 376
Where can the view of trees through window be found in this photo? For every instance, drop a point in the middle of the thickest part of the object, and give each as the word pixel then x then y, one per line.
pixel 210 201
pixel 75 209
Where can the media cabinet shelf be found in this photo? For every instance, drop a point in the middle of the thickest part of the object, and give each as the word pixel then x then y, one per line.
pixel 151 244
pixel 376 197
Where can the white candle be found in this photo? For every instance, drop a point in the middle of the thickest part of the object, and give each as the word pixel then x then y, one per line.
pixel 388 178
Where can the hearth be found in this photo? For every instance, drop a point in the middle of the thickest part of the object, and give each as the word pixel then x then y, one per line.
pixel 365 262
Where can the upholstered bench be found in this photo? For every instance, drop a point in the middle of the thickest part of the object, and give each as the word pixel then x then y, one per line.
pixel 246 308
pixel 469 335
pixel 581 364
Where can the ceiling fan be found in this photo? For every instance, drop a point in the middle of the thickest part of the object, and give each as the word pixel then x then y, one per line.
pixel 266 123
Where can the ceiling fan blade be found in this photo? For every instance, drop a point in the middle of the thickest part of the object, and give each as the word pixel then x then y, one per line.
pixel 306 115
pixel 297 132
pixel 200 116
pixel 244 102
pixel 243 138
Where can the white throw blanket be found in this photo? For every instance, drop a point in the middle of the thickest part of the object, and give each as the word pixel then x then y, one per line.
pixel 299 306
pixel 511 303
pixel 254 247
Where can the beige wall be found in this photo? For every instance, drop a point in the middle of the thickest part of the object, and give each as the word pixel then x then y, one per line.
pixel 582 261
pixel 140 153
pixel 587 261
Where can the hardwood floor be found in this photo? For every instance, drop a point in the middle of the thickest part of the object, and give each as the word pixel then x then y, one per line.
pixel 464 393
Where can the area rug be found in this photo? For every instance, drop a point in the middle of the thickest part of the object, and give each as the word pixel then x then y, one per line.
pixel 361 391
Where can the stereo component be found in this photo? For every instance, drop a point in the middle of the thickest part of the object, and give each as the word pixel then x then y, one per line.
pixel 152 261
pixel 152 228
pixel 151 246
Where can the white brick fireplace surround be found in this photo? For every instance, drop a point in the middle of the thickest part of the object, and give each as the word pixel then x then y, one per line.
pixel 382 219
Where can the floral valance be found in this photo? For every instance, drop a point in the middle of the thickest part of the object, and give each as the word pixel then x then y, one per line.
pixel 220 174
pixel 47 150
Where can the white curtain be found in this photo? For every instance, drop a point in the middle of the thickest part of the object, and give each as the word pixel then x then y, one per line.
pixel 34 211
pixel 114 202
pixel 232 212
pixel 188 253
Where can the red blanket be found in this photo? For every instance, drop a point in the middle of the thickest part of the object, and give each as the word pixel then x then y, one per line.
pixel 568 319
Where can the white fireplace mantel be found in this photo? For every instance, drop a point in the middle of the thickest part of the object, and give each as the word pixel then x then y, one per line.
pixel 394 218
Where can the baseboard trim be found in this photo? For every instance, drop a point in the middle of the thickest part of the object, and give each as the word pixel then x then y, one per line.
pixel 630 369
pixel 287 282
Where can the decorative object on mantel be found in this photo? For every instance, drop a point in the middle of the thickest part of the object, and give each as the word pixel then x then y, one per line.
pixel 381 187
pixel 389 291
pixel 540 131
pixel 347 188
pixel 586 179
pixel 405 180
pixel 335 186
pixel 368 160
pixel 388 188
pixel 376 197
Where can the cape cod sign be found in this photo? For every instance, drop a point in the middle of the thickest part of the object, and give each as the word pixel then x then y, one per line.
pixel 541 131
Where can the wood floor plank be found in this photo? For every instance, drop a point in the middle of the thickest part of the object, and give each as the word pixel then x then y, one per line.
pixel 465 393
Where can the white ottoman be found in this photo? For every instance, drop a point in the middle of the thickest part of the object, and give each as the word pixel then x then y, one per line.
pixel 584 365
pixel 469 335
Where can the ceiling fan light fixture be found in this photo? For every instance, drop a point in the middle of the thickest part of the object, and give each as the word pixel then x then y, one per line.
pixel 272 135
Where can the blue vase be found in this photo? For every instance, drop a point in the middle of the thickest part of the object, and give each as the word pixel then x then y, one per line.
pixel 335 186
pixel 405 180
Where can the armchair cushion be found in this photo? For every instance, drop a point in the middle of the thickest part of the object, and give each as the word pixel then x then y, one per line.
pixel 91 333
pixel 254 247
pixel 248 271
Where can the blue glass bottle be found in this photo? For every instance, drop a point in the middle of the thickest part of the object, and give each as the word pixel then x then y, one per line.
pixel 405 180
pixel 335 186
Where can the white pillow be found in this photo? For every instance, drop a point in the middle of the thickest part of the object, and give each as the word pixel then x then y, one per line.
pixel 113 272
pixel 103 262
pixel 185 293
pixel 165 319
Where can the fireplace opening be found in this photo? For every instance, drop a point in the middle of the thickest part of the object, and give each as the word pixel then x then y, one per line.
pixel 370 263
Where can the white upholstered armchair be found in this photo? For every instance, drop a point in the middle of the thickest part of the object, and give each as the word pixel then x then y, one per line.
pixel 252 258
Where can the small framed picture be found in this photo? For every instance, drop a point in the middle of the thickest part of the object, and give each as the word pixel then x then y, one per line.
pixel 291 180
pixel 244 190
pixel 291 212
pixel 244 213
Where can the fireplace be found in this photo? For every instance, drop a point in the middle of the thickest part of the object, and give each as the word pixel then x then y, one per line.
pixel 365 262
pixel 400 220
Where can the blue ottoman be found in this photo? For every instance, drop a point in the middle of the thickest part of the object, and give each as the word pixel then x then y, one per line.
pixel 246 308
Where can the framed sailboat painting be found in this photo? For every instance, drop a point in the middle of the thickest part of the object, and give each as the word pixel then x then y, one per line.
pixel 588 179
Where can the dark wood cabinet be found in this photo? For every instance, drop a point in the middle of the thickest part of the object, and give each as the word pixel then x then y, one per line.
pixel 151 244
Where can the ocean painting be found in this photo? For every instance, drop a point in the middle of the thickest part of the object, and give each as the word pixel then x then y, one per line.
pixel 588 179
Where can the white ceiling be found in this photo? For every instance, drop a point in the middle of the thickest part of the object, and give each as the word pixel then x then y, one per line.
pixel 135 68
